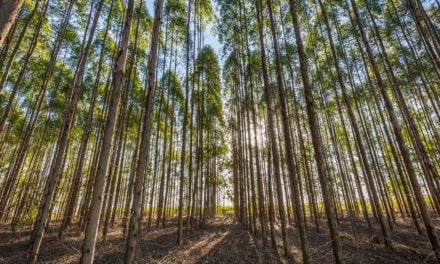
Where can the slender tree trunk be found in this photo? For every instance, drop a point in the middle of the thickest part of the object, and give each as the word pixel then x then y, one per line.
pixel 57 164
pixel 355 127
pixel 9 10
pixel 430 229
pixel 287 139
pixel 88 248
pixel 76 182
pixel 17 45
pixel 184 129
pixel 274 151
pixel 316 137
pixel 133 232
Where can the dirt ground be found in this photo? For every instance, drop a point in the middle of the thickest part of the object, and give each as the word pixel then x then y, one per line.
pixel 223 240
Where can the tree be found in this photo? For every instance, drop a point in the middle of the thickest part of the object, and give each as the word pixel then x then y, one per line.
pixel 88 248
pixel 9 11
pixel 133 231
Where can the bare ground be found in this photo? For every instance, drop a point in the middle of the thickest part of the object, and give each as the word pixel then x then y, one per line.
pixel 223 240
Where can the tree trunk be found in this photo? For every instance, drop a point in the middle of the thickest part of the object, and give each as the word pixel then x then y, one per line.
pixel 430 229
pixel 88 248
pixel 184 129
pixel 9 10
pixel 316 137
pixel 133 232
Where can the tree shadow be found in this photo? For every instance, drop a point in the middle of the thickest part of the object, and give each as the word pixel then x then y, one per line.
pixel 237 246
pixel 52 250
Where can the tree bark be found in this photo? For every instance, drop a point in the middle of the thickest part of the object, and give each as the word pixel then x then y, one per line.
pixel 88 248
pixel 316 137
pixel 9 10
pixel 133 232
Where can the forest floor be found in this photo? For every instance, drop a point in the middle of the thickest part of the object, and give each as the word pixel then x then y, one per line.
pixel 223 240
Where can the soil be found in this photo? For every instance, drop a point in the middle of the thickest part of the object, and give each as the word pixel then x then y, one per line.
pixel 223 240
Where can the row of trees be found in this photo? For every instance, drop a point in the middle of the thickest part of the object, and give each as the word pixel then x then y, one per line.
pixel 333 105
pixel 109 117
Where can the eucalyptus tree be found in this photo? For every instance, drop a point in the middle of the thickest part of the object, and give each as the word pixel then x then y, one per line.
pixel 17 163
pixel 141 163
pixel 398 133
pixel 316 137
pixel 30 128
pixel 8 14
pixel 210 123
pixel 354 83
pixel 270 113
pixel 286 127
pixel 118 74
pixel 184 125
pixel 76 178
pixel 56 167
pixel 354 125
